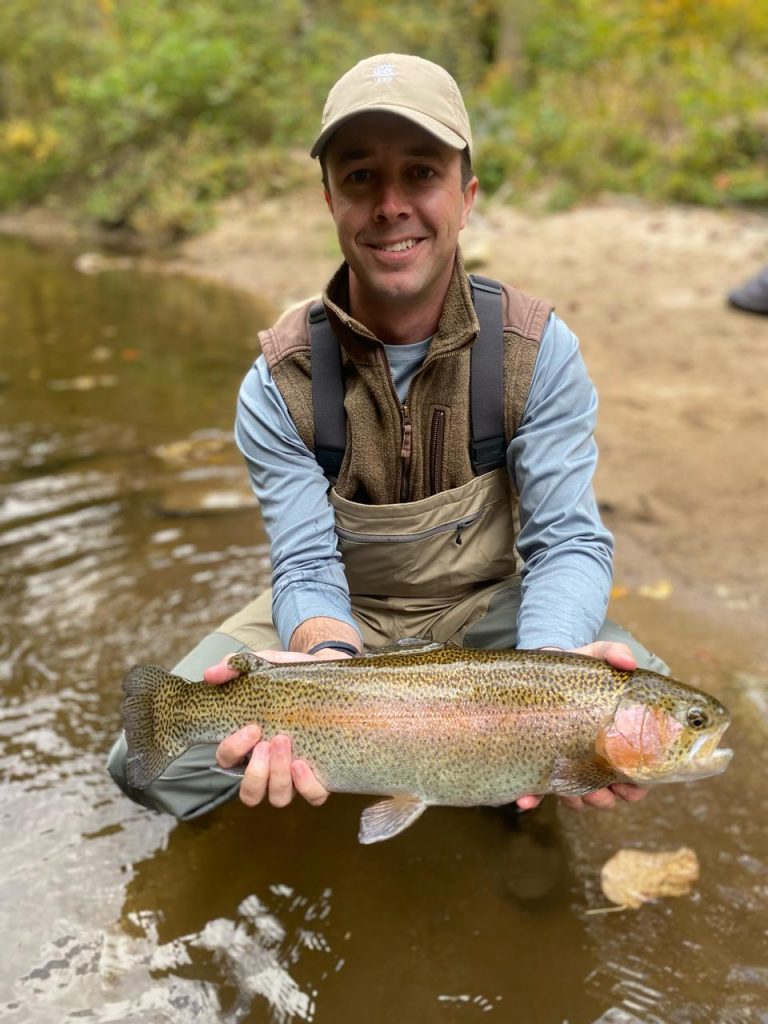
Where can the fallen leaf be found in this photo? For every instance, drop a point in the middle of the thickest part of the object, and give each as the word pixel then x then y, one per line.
pixel 208 447
pixel 633 877
pixel 85 383
pixel 656 591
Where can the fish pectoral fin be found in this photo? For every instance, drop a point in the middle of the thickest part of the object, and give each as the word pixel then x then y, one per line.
pixel 388 817
pixel 576 778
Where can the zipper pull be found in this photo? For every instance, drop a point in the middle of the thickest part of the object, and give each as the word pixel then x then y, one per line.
pixel 459 528
pixel 405 450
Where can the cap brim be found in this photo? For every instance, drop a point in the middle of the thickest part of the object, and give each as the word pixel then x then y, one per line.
pixel 429 124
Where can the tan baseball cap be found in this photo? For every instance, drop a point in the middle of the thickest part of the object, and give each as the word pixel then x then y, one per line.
pixel 401 84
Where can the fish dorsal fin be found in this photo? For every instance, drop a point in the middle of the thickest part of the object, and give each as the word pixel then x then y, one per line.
pixel 408 645
pixel 575 778
pixel 245 662
pixel 388 817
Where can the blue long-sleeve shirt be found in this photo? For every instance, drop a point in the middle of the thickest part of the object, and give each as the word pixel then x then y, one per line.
pixel 565 549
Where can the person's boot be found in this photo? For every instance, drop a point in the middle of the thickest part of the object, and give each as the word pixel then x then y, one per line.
pixel 752 296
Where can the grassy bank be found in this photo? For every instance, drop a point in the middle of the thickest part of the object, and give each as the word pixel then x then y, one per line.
pixel 141 116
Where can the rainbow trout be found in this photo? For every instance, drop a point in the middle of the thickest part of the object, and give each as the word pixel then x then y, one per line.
pixel 439 725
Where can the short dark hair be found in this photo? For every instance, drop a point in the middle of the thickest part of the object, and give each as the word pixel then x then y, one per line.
pixel 466 169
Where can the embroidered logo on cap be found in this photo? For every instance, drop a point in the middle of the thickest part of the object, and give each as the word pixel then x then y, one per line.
pixel 384 73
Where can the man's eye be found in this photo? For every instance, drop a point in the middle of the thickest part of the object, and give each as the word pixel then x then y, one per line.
pixel 423 173
pixel 359 176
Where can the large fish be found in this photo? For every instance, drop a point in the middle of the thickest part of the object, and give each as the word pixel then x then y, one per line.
pixel 439 725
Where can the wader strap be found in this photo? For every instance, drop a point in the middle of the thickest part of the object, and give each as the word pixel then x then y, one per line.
pixel 327 393
pixel 487 378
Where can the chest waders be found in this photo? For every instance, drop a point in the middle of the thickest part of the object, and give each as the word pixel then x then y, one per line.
pixel 429 567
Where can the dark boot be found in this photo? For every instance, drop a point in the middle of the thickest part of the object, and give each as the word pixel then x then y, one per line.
pixel 752 296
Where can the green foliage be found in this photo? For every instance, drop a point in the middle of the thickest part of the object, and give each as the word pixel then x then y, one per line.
pixel 663 98
pixel 143 115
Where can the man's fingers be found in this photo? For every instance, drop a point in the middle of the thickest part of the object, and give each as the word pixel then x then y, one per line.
pixel 307 785
pixel 271 771
pixel 574 802
pixel 527 803
pixel 237 746
pixel 254 784
pixel 280 781
pixel 617 654
pixel 627 791
pixel 601 799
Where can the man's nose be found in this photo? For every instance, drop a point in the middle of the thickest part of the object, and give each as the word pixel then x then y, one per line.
pixel 392 201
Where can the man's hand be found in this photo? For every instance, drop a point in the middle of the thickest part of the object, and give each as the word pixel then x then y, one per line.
pixel 271 770
pixel 620 656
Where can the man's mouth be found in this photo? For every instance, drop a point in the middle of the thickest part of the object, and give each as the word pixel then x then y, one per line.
pixel 402 246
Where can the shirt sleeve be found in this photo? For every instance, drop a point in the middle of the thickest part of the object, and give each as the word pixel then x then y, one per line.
pixel 566 550
pixel 307 573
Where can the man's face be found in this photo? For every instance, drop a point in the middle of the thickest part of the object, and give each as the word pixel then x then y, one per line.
pixel 395 195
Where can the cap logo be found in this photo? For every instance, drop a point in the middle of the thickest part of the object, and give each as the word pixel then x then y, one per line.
pixel 384 73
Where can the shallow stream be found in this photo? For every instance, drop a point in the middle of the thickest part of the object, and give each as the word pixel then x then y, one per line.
pixel 126 533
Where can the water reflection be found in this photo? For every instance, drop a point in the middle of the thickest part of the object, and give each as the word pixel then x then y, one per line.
pixel 124 536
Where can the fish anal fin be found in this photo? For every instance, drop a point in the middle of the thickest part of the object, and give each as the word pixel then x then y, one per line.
pixel 571 777
pixel 389 817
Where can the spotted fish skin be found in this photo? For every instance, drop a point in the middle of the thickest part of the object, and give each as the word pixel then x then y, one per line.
pixel 441 726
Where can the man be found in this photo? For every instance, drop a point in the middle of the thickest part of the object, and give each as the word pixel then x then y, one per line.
pixel 397 512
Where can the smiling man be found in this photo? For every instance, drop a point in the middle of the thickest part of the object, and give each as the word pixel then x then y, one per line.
pixel 399 203
pixel 420 442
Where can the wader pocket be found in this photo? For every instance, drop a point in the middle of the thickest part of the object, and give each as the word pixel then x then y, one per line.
pixel 443 546
pixel 457 526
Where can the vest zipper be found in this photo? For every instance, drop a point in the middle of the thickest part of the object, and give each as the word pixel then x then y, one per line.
pixel 405 453
pixel 436 442
pixel 455 526
pixel 406 444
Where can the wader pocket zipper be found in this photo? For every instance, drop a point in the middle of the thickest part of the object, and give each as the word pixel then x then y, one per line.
pixel 455 526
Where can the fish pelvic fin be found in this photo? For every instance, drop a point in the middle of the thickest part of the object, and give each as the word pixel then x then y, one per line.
pixel 146 687
pixel 576 778
pixel 389 817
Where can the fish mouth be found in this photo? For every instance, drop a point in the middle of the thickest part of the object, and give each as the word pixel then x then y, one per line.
pixel 705 758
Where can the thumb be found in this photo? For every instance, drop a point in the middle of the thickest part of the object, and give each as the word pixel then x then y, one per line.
pixel 220 672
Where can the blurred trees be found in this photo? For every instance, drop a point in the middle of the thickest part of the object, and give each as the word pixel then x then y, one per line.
pixel 142 115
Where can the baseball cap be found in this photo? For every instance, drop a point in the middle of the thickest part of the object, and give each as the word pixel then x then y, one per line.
pixel 401 84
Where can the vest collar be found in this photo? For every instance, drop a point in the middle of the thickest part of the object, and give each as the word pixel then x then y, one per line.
pixel 458 324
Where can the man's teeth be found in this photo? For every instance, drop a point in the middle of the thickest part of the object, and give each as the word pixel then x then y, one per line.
pixel 398 246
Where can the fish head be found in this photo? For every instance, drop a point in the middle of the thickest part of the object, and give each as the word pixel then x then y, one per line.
pixel 664 731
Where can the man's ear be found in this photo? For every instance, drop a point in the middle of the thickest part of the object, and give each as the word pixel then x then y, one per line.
pixel 469 199
pixel 328 200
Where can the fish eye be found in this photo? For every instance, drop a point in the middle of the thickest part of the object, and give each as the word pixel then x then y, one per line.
pixel 697 718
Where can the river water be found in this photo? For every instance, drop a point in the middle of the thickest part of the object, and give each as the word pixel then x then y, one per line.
pixel 126 533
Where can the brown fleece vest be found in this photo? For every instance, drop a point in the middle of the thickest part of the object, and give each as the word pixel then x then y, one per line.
pixel 382 463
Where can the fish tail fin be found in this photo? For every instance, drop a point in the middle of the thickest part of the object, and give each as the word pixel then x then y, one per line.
pixel 150 747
